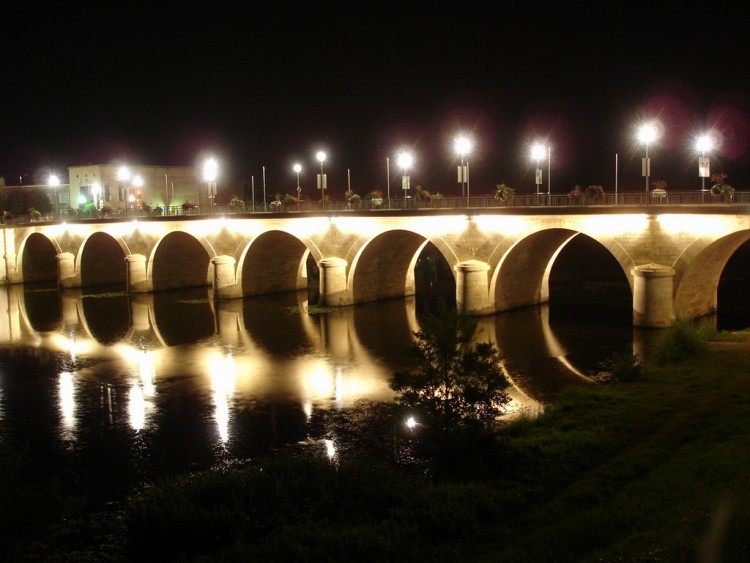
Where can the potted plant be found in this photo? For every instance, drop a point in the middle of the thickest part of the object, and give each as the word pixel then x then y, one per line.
pixel 35 214
pixel 288 201
pixel 376 197
pixel 594 193
pixel 659 190
pixel 188 207
pixel 236 203
pixel 721 187
pixel 352 199
pixel 421 193
pixel 504 193
pixel 276 203
pixel 575 195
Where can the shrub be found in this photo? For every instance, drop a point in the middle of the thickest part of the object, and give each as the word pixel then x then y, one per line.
pixel 504 193
pixel 456 383
pixel 594 192
pixel 680 341
pixel 626 366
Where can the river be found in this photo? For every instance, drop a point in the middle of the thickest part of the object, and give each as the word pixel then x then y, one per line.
pixel 109 391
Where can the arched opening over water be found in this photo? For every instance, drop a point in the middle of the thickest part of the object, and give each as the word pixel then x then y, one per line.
pixel 180 261
pixel 103 262
pixel 39 260
pixel 587 282
pixel 733 311
pixel 274 262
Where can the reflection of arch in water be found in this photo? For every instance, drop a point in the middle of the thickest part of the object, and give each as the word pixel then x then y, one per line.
pixel 17 328
pixel 525 337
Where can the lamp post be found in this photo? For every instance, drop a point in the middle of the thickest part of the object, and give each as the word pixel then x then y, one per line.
pixel 462 146
pixel 405 161
pixel 210 172
pixel 137 182
pixel 322 184
pixel 54 182
pixel 96 190
pixel 646 136
pixel 704 144
pixel 538 152
pixel 123 176
pixel 298 168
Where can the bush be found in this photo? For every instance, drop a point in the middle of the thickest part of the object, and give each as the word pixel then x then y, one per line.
pixel 456 383
pixel 680 341
pixel 626 366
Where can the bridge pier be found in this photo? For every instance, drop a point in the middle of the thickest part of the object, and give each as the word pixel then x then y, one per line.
pixel 66 275
pixel 472 288
pixel 333 282
pixel 138 281
pixel 653 296
pixel 225 282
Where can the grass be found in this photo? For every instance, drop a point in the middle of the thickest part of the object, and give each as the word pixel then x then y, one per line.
pixel 651 467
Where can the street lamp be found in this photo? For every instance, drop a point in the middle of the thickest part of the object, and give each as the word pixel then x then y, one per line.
pixel 405 161
pixel 298 168
pixel 321 156
pixel 137 181
pixel 96 190
pixel 704 144
pixel 462 146
pixel 646 136
pixel 210 172
pixel 53 182
pixel 538 152
pixel 123 176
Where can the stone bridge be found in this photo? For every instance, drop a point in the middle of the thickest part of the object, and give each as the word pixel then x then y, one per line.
pixel 501 259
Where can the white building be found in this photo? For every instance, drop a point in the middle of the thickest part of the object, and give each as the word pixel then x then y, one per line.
pixel 134 187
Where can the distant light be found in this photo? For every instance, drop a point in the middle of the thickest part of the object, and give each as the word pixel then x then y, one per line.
pixel 123 174
pixel 647 133
pixel 321 156
pixel 411 422
pixel 704 143
pixel 462 146
pixel 138 182
pixel 538 152
pixel 405 160
pixel 297 168
pixel 210 169
pixel 53 181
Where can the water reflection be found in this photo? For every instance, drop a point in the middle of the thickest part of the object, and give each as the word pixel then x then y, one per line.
pixel 156 383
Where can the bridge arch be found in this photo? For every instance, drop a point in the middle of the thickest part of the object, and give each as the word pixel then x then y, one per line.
pixel 521 276
pixel 180 260
pixel 699 271
pixel 383 267
pixel 275 261
pixel 102 260
pixel 37 258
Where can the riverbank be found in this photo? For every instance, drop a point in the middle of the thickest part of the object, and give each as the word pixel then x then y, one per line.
pixel 653 469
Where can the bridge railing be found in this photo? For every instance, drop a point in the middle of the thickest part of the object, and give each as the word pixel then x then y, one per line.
pixel 685 198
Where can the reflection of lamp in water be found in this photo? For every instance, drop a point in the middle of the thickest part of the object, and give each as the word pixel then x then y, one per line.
pixel 67 401
pixel 223 376
pixel 330 449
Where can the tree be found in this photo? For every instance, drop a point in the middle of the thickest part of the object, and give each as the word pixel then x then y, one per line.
pixel 456 383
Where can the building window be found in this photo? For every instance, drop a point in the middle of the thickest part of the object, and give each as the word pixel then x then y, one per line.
pixel 64 197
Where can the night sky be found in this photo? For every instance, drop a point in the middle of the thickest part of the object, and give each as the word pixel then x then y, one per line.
pixel 268 87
